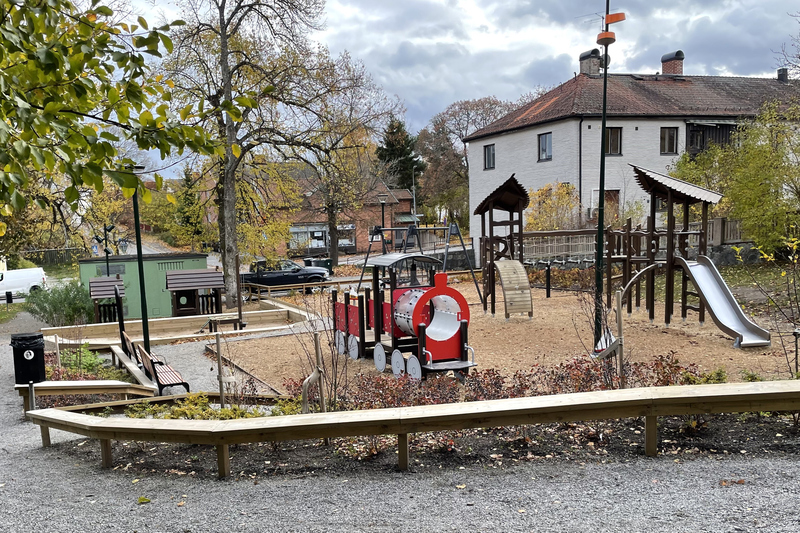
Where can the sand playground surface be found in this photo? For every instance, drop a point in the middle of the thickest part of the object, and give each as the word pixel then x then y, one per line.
pixel 559 331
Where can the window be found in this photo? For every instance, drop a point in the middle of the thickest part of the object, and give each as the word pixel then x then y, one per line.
pixel 613 141
pixel 669 140
pixel 545 147
pixel 488 157
pixel 697 140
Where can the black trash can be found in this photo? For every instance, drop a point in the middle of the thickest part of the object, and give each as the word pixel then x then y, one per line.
pixel 28 357
pixel 307 261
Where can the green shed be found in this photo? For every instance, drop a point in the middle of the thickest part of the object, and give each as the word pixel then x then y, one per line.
pixel 156 266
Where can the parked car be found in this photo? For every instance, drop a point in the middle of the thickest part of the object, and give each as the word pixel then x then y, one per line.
pixel 284 272
pixel 22 281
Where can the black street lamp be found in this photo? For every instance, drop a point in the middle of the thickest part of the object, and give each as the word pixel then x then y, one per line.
pixel 382 197
pixel 604 39
pixel 104 241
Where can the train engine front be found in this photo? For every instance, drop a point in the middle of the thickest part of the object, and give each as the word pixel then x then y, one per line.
pixel 423 328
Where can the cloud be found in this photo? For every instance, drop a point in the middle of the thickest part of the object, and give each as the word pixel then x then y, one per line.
pixel 432 53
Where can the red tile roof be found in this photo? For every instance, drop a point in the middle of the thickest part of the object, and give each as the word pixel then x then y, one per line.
pixel 639 95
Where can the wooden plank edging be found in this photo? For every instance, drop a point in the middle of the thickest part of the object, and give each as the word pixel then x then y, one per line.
pixel 626 403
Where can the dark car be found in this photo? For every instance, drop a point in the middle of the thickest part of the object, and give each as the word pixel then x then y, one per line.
pixel 284 272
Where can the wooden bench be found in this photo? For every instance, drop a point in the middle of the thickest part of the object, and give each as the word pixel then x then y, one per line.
pixel 161 373
pixel 626 403
pixel 57 388
pixel 215 322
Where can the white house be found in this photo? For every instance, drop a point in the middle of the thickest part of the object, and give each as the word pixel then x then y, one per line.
pixel 651 119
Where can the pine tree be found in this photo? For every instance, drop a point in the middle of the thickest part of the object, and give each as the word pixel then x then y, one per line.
pixel 396 152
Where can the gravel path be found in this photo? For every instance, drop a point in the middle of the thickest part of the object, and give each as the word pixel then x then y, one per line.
pixel 60 490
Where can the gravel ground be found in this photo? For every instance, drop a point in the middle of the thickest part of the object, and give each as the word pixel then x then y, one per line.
pixel 63 489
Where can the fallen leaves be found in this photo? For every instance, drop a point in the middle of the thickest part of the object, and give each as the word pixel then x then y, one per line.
pixel 730 482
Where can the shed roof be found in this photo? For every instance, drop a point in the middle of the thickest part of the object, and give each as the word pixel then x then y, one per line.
pixel 506 197
pixel 200 278
pixel 658 185
pixel 103 287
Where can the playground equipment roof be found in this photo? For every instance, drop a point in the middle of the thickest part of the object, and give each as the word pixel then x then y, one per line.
pixel 506 197
pixel 200 278
pixel 103 287
pixel 387 260
pixel 659 185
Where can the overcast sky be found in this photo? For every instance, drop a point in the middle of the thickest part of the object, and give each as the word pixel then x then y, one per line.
pixel 432 53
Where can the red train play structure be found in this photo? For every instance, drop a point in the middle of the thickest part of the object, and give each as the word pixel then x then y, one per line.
pixel 418 327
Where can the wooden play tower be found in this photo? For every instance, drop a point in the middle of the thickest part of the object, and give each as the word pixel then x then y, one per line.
pixel 501 251
pixel 632 249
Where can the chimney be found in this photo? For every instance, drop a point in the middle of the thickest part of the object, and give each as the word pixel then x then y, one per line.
pixel 672 63
pixel 783 75
pixel 590 62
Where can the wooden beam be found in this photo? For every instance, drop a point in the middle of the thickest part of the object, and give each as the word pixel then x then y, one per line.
pixel 45 436
pixel 106 461
pixel 402 451
pixel 223 461
pixel 651 436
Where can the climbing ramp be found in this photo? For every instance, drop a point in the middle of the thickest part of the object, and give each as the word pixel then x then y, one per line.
pixel 516 287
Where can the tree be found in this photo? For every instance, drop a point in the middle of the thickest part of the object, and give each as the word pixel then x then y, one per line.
pixel 240 57
pixel 396 152
pixel 758 172
pixel 67 77
pixel 553 207
pixel 191 212
pixel 446 182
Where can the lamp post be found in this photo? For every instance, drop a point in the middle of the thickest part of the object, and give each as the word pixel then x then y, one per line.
pixel 604 38
pixel 414 193
pixel 104 241
pixel 142 291
pixel 382 197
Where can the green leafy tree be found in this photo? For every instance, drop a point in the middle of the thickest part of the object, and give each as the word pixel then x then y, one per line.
pixel 72 83
pixel 242 58
pixel 191 211
pixel 758 172
pixel 553 207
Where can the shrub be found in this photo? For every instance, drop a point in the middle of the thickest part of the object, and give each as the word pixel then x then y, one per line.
pixel 15 262
pixel 64 305
pixel 193 407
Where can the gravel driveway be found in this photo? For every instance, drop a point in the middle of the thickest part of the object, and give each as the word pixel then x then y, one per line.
pixel 60 490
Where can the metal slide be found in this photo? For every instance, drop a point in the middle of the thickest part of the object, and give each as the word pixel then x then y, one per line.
pixel 724 309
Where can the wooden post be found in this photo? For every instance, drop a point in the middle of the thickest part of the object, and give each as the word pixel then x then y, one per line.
pixel 223 461
pixel 621 348
pixel 651 435
pixel 652 244
pixel 45 436
pixel 703 245
pixel 669 296
pixel 220 373
pixel 402 451
pixel 58 350
pixel 106 460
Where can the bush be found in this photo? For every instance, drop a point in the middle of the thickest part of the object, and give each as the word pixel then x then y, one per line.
pixel 15 262
pixel 65 305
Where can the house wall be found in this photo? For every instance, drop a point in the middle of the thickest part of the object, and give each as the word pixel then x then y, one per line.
pixel 573 143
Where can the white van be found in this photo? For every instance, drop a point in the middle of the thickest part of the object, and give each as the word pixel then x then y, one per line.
pixel 23 280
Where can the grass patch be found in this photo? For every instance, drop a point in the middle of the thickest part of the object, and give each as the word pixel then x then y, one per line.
pixel 61 271
pixel 13 311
